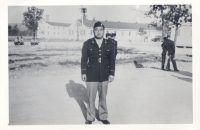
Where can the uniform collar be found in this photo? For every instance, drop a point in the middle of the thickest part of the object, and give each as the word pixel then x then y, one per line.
pixel 95 43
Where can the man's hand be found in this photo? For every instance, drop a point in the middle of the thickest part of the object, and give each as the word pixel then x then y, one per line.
pixel 84 77
pixel 110 78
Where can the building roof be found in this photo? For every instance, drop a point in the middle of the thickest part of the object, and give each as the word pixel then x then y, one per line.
pixel 59 24
pixel 118 25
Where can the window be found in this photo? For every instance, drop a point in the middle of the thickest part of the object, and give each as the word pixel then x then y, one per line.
pixel 90 32
pixel 69 32
pixel 54 27
pixel 149 33
pixel 122 33
pixel 54 33
pixel 58 33
pixel 48 27
pixel 48 33
pixel 72 32
pixel 83 32
pixel 63 28
pixel 129 33
pixel 58 27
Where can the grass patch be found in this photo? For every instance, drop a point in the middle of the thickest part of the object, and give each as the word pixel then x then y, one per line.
pixel 28 66
pixel 25 59
pixel 69 63
pixel 21 55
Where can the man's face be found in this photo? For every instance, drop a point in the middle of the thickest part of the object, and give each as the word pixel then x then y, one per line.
pixel 108 37
pixel 113 37
pixel 99 32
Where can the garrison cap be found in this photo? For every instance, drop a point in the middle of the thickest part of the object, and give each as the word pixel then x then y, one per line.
pixel 98 24
pixel 113 34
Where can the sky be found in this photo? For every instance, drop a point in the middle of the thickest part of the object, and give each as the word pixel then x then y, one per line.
pixel 68 14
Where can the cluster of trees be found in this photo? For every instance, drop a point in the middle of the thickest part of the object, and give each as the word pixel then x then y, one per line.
pixel 170 15
pixel 13 31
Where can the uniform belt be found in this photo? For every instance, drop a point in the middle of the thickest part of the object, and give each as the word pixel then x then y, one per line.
pixel 98 60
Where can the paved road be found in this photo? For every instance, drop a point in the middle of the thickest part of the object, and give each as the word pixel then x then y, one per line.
pixel 137 96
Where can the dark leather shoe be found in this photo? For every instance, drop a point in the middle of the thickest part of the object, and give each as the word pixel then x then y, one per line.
pixel 168 69
pixel 88 122
pixel 105 122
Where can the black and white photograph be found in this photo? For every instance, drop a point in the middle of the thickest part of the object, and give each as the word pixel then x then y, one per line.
pixel 100 64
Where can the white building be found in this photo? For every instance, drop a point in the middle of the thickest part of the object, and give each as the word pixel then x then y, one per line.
pixel 52 30
pixel 125 31
pixel 184 36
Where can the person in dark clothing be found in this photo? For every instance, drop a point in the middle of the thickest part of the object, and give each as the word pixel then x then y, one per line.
pixel 97 69
pixel 111 37
pixel 170 49
pixel 163 54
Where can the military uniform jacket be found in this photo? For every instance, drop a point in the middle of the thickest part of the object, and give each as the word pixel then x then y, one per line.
pixel 98 62
pixel 115 45
pixel 170 47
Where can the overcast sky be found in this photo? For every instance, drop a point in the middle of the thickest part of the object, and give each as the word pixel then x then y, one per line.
pixel 68 14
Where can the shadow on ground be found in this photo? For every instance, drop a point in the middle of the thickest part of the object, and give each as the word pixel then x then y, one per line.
pixel 79 93
pixel 185 79
pixel 185 73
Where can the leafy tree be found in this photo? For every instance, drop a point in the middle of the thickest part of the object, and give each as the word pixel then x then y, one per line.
pixel 31 18
pixel 168 15
pixel 15 29
pixel 143 33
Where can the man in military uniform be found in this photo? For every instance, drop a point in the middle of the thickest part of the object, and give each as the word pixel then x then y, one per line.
pixel 170 48
pixel 97 69
pixel 111 37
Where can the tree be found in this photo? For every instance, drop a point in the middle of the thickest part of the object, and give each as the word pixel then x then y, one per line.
pixel 142 33
pixel 158 12
pixel 31 18
pixel 169 15
pixel 9 30
pixel 15 30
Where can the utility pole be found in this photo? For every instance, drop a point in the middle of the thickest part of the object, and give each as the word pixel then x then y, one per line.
pixel 83 11
pixel 77 31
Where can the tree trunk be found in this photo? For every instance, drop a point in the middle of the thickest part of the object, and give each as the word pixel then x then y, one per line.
pixel 34 34
pixel 176 34
pixel 162 24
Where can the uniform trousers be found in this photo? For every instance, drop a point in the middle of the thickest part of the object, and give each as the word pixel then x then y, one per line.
pixel 173 62
pixel 92 88
pixel 163 61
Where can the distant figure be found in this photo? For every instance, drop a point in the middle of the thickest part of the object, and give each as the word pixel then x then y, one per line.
pixel 34 41
pixel 138 65
pixel 111 37
pixel 17 42
pixel 170 48
pixel 21 41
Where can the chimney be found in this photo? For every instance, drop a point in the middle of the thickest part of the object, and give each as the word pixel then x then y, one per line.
pixel 106 20
pixel 94 19
pixel 47 18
